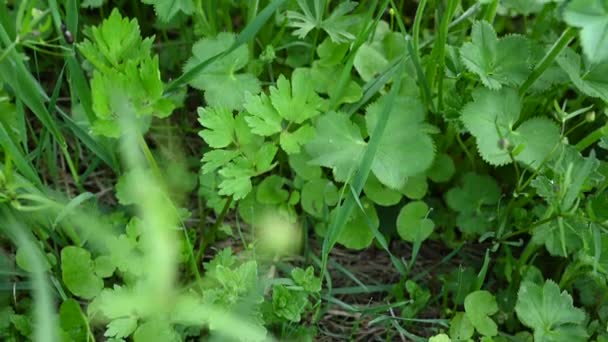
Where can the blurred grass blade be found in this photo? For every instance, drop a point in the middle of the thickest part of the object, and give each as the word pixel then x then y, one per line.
pixel 245 36
pixel 45 318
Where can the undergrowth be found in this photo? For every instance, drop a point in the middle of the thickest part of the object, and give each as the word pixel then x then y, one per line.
pixel 304 170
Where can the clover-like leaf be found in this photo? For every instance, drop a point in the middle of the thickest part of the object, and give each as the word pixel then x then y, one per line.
pixel 78 272
pixel 318 194
pixel 478 306
pixel 413 225
pixel 549 313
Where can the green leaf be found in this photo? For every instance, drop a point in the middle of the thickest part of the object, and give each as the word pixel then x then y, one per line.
pixel 166 9
pixel 550 313
pixel 590 79
pixel 104 267
pixel 263 119
pixel 415 187
pixel 292 142
pixel 306 279
pixel 406 148
pixel 318 194
pixel 357 232
pixel 156 330
pixel 478 306
pixel 78 272
pixel 490 117
pixel 442 169
pixel 299 163
pixel 287 304
pixel 461 328
pixel 312 18
pixel 270 190
pixel 380 194
pixel 440 338
pixel 337 145
pixel 474 200
pixel 219 124
pixel 296 101
pixel 73 321
pixel 121 327
pixel 223 86
pixel 592 17
pixel 115 42
pixel 412 222
pixel 496 61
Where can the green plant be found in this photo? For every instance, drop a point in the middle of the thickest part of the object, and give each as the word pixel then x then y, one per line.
pixel 378 169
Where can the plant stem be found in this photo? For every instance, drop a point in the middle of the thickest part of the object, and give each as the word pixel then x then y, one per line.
pixel 417 21
pixel 592 137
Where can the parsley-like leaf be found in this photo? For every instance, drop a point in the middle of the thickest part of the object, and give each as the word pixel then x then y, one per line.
pixel 220 126
pixel 312 18
pixel 117 40
pixel 496 61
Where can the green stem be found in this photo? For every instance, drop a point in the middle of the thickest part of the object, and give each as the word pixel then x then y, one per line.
pixel 148 154
pixel 440 45
pixel 417 21
pixel 592 137
pixel 490 12
pixel 549 58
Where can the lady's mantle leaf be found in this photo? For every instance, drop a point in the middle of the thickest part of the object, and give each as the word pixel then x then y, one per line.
pixel 78 272
pixel 337 145
pixel 590 80
pixel 550 313
pixel 496 61
pixel 592 17
pixel 478 306
pixel 491 117
pixel 223 87
pixel 406 148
